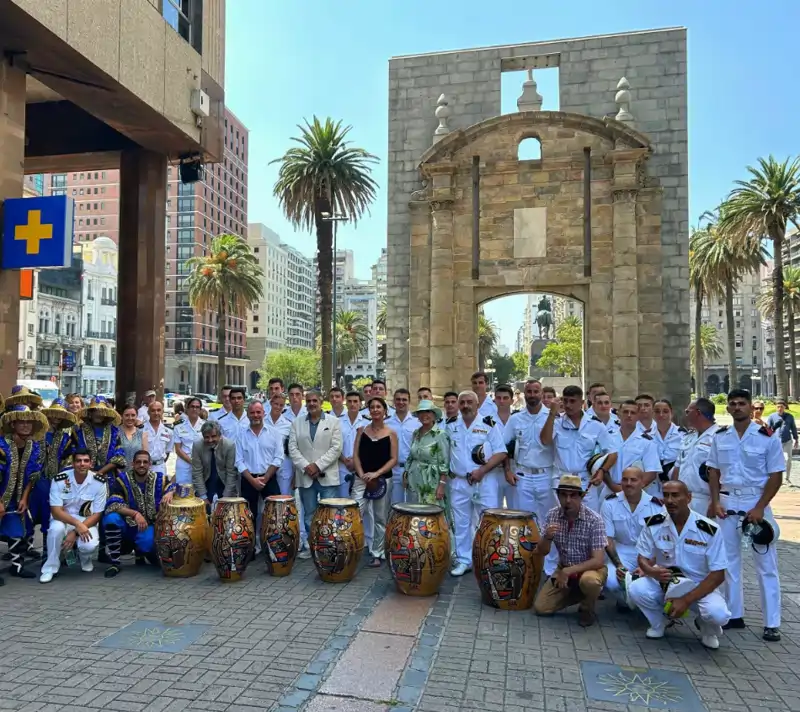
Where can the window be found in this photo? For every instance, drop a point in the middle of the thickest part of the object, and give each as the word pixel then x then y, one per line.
pixel 185 204
pixel 58 325
pixel 30 353
pixel 186 220
pixel 102 356
pixel 738 345
pixel 255 329
pixel 87 355
pixel 30 329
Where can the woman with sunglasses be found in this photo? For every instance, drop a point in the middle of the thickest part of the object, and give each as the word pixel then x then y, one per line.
pixel 758 415
pixel 187 433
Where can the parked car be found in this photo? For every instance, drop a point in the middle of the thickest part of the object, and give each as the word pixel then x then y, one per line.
pixel 46 389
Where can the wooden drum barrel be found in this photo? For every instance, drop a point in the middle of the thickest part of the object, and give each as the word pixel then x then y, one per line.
pixel 505 560
pixel 233 537
pixel 418 548
pixel 280 534
pixel 182 534
pixel 336 539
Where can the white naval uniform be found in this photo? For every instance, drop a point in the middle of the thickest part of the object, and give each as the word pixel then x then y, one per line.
pixel 160 443
pixel 624 525
pixel 288 413
pixel 468 501
pixel 89 498
pixel 745 465
pixel 650 431
pixel 698 550
pixel 405 432
pixel 506 493
pixel 281 428
pixel 142 414
pixel 186 435
pixel 349 432
pixel 668 446
pixel 488 407
pixel 638 447
pixel 232 426
pixel 217 414
pixel 694 453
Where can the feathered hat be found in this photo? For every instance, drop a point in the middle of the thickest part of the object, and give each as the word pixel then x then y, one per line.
pixel 22 395
pixel 58 409
pixel 22 413
pixel 101 404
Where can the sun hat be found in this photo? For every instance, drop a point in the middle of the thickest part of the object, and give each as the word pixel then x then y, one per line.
pixel 101 404
pixel 22 395
pixel 428 406
pixel 58 409
pixel 570 483
pixel 22 413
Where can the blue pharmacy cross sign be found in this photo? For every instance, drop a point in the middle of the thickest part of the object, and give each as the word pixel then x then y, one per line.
pixel 37 232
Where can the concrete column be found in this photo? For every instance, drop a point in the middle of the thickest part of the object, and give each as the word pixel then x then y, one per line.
pixel 142 265
pixel 442 308
pixel 12 168
pixel 420 296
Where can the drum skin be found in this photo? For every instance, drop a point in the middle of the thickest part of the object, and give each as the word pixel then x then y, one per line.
pixel 233 537
pixel 504 559
pixel 280 534
pixel 182 534
pixel 336 539
pixel 418 548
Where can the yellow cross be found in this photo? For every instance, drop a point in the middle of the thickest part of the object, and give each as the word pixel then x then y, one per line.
pixel 33 232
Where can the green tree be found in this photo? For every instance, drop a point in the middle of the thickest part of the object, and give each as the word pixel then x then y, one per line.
pixel 763 207
pixel 710 344
pixel 352 338
pixel 697 277
pixel 487 338
pixel 565 354
pixel 227 280
pixel 324 174
pixel 791 307
pixel 359 383
pixel 521 365
pixel 503 368
pixel 292 365
pixel 381 319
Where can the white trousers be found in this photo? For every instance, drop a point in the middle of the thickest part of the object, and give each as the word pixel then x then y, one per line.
pixel 467 513
pixel 508 492
pixel 396 490
pixel 787 456
pixel 493 484
pixel 700 502
pixel 535 494
pixel 766 564
pixel 630 560
pixel 55 540
pixel 712 609
pixel 378 512
pixel 285 483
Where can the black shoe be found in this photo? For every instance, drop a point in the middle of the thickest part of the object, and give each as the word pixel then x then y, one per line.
pixel 104 558
pixel 622 607
pixel 22 573
pixel 112 571
pixel 734 624
pixel 33 555
pixel 773 635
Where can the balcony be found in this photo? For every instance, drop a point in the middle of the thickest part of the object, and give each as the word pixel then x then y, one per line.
pixel 92 334
pixel 108 301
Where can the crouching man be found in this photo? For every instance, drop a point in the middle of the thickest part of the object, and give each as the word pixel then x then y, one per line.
pixel 77 502
pixel 675 547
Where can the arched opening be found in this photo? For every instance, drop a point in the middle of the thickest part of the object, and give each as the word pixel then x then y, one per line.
pixel 529 149
pixel 253 380
pixel 713 384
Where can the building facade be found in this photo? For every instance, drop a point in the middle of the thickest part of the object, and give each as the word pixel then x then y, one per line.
pixel 96 196
pixel 361 297
pixel 301 293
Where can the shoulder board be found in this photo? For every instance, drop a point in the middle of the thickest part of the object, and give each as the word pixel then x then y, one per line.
pixel 489 420
pixel 647 436
pixel 613 495
pixel 722 429
pixel 681 429
pixel 616 422
pixel 655 519
pixel 61 477
pixel 707 527
pixel 451 419
pixel 99 477
pixel 223 416
pixel 657 501
pixel 594 417
pixel 763 430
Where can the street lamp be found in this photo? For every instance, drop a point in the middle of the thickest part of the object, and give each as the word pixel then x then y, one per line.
pixel 335 218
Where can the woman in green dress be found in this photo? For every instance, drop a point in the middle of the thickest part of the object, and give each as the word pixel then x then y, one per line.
pixel 428 464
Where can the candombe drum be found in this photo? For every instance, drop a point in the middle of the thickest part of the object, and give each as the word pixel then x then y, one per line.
pixel 182 533
pixel 336 539
pixel 418 548
pixel 280 534
pixel 233 537
pixel 505 560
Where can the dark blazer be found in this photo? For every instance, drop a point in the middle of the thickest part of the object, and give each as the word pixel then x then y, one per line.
pixel 226 468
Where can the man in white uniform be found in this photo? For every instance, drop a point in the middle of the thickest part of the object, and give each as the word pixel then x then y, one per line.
pixel 142 414
pixel 475 450
pixel 745 471
pixel 404 424
pixel 235 421
pixel 277 420
pixel 480 385
pixel 594 389
pixel 225 399
pixel 450 415
pixel 350 420
pixel 77 503
pixel 645 403
pixel 693 544
pixel 633 446
pixel 690 467
pixel 507 490
pixel 603 410
pixel 185 435
pixel 295 409
pixel 160 439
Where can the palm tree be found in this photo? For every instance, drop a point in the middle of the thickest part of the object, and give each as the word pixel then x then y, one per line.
pixel 710 344
pixel 381 320
pixel 791 307
pixel 227 281
pixel 487 338
pixel 352 337
pixel 697 279
pixel 762 208
pixel 324 174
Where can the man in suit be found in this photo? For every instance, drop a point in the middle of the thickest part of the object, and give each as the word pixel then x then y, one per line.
pixel 315 445
pixel 214 472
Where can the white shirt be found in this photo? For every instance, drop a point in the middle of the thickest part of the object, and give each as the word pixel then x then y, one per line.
pixel 185 435
pixel 488 407
pixel 636 447
pixel 142 414
pixel 159 442
pixel 405 432
pixel 231 426
pixel 623 524
pixel 747 461
pixel 257 453
pixel 698 550
pixel 364 412
pixel 526 428
pixel 288 413
pixel 463 441
pixel 669 446
pixel 217 414
pixel 694 452
pixel 612 426
pixel 349 432
pixel 650 431
pixel 281 426
pixel 574 446
pixel 78 500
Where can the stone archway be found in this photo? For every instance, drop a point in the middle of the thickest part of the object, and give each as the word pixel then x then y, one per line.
pixel 584 220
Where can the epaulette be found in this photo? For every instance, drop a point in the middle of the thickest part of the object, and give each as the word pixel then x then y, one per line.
pixel 594 417
pixel 647 436
pixel 100 477
pixel 722 429
pixel 654 519
pixel 658 501
pixel 60 477
pixel 489 420
pixel 763 430
pixel 616 422
pixel 451 419
pixel 707 527
pixel 681 429
pixel 223 416
pixel 613 495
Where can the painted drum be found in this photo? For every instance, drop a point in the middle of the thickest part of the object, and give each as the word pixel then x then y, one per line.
pixel 504 559
pixel 336 539
pixel 418 548
pixel 233 537
pixel 280 534
pixel 182 534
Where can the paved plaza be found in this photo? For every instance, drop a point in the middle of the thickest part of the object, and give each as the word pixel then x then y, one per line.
pixel 142 642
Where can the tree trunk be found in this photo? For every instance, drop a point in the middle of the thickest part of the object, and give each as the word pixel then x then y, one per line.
pixel 699 381
pixel 777 316
pixel 793 390
pixel 733 380
pixel 222 330
pixel 325 260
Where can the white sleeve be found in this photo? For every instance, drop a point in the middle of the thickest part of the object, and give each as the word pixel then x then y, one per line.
pixel 277 450
pixel 496 439
pixel 604 440
pixel 711 460
pixel 57 494
pixel 508 430
pixel 716 555
pixel 99 501
pixel 645 544
pixel 775 461
pixel 608 519
pixel 652 463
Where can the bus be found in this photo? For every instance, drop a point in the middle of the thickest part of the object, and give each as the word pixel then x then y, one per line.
pixel 46 389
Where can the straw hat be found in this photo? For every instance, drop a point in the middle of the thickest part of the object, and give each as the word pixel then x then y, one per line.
pixel 101 404
pixel 426 406
pixel 17 413
pixel 22 395
pixel 570 483
pixel 58 409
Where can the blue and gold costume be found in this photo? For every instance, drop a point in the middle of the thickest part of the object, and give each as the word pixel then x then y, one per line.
pixel 126 492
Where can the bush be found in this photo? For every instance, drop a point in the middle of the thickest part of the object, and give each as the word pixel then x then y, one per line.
pixel 719 399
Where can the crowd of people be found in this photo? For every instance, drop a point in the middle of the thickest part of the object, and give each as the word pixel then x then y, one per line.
pixel 627 503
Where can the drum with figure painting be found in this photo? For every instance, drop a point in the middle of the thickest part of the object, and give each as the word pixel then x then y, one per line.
pixel 336 539
pixel 280 534
pixel 233 537
pixel 182 534
pixel 504 558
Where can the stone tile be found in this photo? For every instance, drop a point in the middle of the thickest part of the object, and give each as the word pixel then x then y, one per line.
pixel 154 636
pixel 398 615
pixel 385 658
pixel 330 703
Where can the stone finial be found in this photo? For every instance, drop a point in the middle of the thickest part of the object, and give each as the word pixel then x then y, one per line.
pixel 623 101
pixel 530 99
pixel 442 113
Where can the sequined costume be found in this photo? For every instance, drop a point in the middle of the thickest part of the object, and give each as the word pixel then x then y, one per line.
pixel 57 455
pixel 102 443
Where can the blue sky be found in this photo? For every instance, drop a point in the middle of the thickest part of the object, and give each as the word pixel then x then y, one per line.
pixel 288 60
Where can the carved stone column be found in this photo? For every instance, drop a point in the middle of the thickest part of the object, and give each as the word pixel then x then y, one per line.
pixel 442 315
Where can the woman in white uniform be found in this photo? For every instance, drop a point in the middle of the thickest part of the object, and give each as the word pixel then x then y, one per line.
pixel 667 436
pixel 186 433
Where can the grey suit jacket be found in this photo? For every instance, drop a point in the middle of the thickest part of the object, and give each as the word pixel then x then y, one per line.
pixel 226 467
